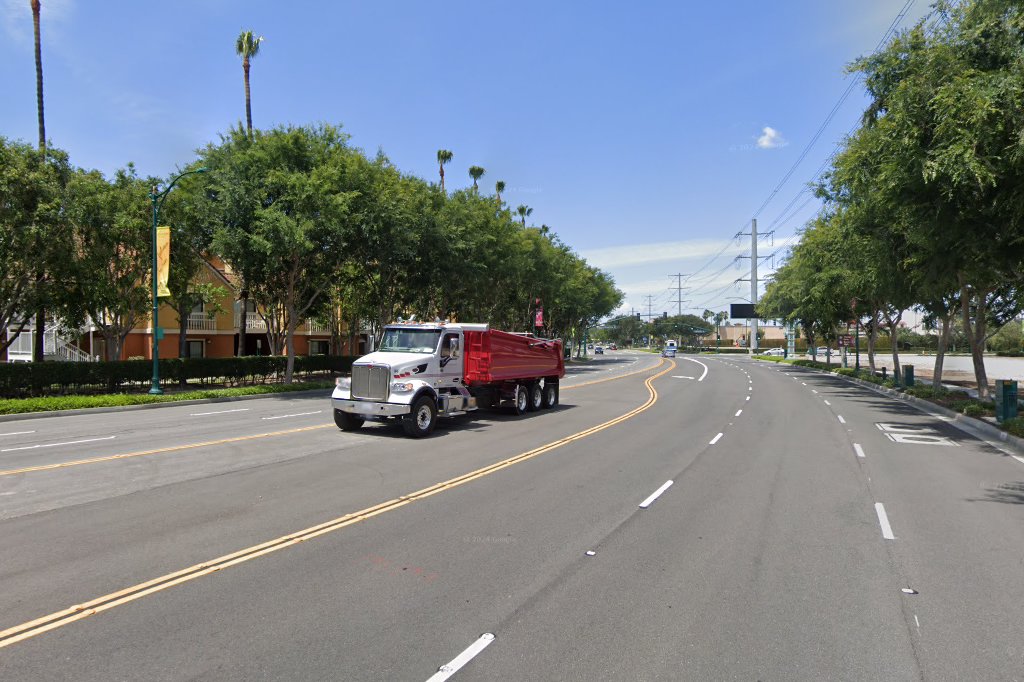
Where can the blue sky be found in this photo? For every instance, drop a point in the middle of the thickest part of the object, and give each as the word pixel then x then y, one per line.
pixel 644 134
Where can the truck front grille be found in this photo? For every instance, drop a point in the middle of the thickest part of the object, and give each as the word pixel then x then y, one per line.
pixel 370 383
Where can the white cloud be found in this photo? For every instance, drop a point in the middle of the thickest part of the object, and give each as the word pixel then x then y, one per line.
pixel 643 254
pixel 771 139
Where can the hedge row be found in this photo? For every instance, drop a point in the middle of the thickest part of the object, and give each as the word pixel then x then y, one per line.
pixel 23 379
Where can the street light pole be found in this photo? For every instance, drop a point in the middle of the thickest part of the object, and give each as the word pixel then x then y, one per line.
pixel 158 201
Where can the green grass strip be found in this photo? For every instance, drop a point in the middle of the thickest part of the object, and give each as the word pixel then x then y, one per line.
pixel 77 402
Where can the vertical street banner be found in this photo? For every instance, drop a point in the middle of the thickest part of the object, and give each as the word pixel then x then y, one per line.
pixel 163 260
pixel 538 319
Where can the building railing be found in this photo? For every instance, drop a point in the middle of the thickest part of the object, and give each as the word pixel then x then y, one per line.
pixel 201 322
pixel 54 347
pixel 253 322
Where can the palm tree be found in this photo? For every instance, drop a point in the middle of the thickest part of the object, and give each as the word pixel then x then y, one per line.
pixel 523 212
pixel 443 156
pixel 476 172
pixel 37 347
pixel 247 46
pixel 499 187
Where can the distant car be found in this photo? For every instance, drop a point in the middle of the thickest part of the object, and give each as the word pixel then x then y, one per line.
pixel 825 352
pixel 669 352
pixel 778 352
pixel 613 347
pixel 599 351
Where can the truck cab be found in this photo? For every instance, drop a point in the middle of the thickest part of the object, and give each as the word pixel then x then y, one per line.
pixel 417 372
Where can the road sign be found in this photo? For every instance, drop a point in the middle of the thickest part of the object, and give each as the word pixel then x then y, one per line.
pixel 845 340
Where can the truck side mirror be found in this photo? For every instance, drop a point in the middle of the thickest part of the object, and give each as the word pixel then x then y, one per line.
pixel 453 346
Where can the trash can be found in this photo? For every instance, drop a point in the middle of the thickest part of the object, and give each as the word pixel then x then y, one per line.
pixel 908 375
pixel 1006 399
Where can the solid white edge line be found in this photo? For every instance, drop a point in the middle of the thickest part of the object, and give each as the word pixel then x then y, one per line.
pixel 715 439
pixel 739 412
pixel 456 664
pixel 16 433
pixel 859 450
pixel 883 521
pixel 840 418
pixel 203 414
pixel 1019 459
pixel 53 445
pixel 655 495
pixel 298 414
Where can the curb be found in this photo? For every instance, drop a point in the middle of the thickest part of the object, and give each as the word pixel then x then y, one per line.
pixel 975 427
pixel 171 403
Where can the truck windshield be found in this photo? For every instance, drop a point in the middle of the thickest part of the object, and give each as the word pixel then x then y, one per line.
pixel 410 340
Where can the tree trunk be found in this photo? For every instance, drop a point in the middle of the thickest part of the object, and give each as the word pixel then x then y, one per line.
pixel 290 344
pixel 976 336
pixel 243 323
pixel 441 167
pixel 872 341
pixel 940 352
pixel 248 106
pixel 893 324
pixel 39 81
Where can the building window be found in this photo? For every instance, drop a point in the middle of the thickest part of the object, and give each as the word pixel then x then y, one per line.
pixel 317 347
pixel 199 307
pixel 196 348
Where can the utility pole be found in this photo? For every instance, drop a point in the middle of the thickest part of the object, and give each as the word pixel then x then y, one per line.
pixel 679 291
pixel 649 306
pixel 753 283
pixel 753 276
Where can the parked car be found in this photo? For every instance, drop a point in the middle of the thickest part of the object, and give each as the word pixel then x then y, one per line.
pixel 775 352
pixel 825 352
pixel 613 347
pixel 599 350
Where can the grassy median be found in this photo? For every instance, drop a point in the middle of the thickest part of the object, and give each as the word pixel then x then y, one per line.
pixel 77 402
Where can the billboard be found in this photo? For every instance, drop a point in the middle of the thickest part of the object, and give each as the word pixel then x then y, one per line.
pixel 741 311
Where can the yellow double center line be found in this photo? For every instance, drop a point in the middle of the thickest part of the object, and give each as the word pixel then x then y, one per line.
pixel 106 602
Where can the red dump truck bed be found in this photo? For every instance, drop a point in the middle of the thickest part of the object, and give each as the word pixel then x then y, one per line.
pixel 493 356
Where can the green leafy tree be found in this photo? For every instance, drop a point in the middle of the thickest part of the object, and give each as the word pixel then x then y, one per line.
pixel 285 219
pixel 110 255
pixel 32 221
pixel 499 187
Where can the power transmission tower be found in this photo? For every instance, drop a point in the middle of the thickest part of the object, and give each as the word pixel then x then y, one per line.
pixel 649 306
pixel 679 291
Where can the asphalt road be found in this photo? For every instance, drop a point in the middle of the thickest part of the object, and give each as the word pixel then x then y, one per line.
pixel 702 518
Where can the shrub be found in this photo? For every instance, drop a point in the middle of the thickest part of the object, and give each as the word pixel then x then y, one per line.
pixel 976 409
pixel 1014 426
pixel 20 380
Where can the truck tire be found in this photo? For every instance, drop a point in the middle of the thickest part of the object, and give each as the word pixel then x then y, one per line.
pixel 521 399
pixel 421 421
pixel 550 394
pixel 536 396
pixel 346 421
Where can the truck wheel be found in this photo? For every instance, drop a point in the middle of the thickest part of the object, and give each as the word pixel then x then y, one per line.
pixel 536 397
pixel 421 421
pixel 346 421
pixel 550 394
pixel 521 400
